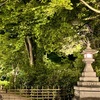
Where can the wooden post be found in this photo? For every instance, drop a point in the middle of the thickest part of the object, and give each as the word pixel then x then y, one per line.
pixel 42 92
pixel 37 92
pixel 48 89
pixel 25 91
pixel 58 92
pixel 31 92
pixel 53 93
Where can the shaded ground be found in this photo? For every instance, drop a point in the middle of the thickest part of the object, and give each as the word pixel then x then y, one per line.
pixel 8 96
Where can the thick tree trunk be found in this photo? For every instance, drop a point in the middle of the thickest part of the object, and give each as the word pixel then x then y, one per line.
pixel 29 49
pixel 87 5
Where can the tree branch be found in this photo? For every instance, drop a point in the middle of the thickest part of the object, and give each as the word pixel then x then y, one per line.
pixel 3 3
pixel 93 9
pixel 92 18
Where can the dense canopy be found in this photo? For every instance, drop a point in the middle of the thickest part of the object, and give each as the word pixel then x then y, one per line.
pixel 43 39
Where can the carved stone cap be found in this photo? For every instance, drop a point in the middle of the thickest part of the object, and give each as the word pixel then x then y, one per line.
pixel 88 45
pixel 89 49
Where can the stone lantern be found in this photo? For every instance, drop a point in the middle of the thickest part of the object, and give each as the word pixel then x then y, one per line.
pixel 88 86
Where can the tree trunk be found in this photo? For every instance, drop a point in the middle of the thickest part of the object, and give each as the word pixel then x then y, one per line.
pixel 29 49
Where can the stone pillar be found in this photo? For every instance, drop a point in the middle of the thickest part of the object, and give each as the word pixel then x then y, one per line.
pixel 88 86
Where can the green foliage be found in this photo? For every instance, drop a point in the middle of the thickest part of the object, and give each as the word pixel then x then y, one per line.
pixel 56 29
pixel 4 83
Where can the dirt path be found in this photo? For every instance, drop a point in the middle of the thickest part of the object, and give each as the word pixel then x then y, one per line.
pixel 8 96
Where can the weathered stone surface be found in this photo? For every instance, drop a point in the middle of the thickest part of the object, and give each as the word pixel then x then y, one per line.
pixel 89 79
pixel 88 86
pixel 89 74
pixel 86 92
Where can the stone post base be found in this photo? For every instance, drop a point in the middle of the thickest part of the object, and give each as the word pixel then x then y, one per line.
pixel 87 92
pixel 77 98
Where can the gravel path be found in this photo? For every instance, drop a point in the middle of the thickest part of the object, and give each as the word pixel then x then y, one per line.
pixel 8 96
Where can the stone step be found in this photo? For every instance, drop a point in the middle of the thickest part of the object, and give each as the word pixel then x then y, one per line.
pixel 92 74
pixel 89 79
pixel 84 92
pixel 95 84
pixel 80 88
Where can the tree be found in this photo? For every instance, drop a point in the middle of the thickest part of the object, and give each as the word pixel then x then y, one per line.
pixel 24 24
pixel 31 30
